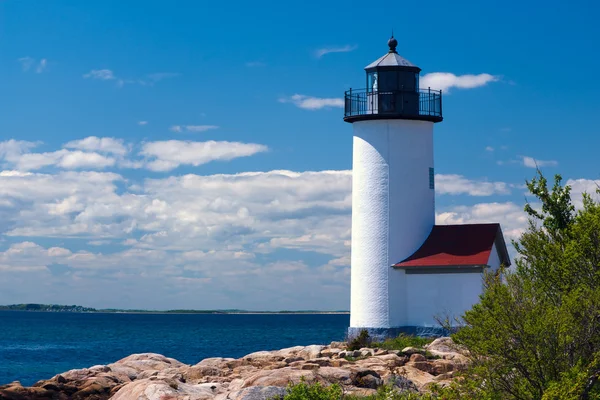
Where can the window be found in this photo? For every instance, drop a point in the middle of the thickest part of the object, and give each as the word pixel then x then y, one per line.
pixel 372 82
pixel 431 179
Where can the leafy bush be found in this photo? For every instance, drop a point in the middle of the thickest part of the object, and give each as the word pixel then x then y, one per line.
pixel 316 391
pixel 535 334
pixel 402 341
pixel 362 340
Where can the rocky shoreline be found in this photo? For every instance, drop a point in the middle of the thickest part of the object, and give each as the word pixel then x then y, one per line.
pixel 258 376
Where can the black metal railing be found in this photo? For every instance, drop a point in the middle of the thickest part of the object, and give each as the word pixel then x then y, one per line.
pixel 422 104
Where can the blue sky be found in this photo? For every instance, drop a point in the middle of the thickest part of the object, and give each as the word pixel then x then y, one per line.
pixel 193 155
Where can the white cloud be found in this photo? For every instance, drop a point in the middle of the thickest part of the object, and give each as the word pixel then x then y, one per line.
pixel 510 215
pixel 26 63
pixel 458 184
pixel 102 145
pixel 446 80
pixel 489 148
pixel 12 147
pixel 41 66
pixel 80 159
pixel 312 103
pixel 142 123
pixel 531 162
pixel 101 74
pixel 335 49
pixel 167 155
pixel 61 158
pixel 192 128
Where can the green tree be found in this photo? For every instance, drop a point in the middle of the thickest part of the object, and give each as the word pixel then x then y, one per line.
pixel 535 334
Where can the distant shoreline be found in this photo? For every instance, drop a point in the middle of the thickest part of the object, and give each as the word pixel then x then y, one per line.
pixel 53 308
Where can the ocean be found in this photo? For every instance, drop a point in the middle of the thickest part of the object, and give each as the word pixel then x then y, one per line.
pixel 39 345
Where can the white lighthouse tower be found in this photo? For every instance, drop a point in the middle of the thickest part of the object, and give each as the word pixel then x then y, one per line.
pixel 393 211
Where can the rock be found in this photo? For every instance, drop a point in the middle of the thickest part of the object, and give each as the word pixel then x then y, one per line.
pixel 310 366
pixel 322 361
pixel 366 352
pixel 290 360
pixel 412 350
pixel 445 348
pixel 259 393
pixel 340 362
pixel 338 345
pixel 290 351
pixel 392 360
pixel 442 366
pixel 310 352
pixel 145 389
pixel 444 377
pixel 335 375
pixel 279 377
pixel 148 361
pixel 259 375
pixel 402 383
pixel 422 365
pixel 365 378
pixel 330 352
pixel 417 357
pixel 418 377
pixel 197 372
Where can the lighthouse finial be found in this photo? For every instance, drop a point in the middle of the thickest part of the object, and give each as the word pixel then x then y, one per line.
pixel 392 43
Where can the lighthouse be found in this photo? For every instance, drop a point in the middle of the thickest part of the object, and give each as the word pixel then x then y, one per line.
pixel 406 272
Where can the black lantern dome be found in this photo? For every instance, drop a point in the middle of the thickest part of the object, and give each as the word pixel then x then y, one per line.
pixel 393 92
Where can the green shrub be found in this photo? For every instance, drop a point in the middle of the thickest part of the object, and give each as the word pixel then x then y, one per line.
pixel 316 391
pixel 535 332
pixel 362 340
pixel 402 341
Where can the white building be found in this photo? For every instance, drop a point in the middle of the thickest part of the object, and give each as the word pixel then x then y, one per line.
pixel 405 269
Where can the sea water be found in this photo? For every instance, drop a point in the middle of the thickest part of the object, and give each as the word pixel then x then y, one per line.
pixel 39 345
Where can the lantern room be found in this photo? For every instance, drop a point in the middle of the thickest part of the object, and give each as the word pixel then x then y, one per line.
pixel 392 92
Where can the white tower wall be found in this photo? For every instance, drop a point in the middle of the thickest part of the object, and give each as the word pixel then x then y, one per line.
pixel 392 215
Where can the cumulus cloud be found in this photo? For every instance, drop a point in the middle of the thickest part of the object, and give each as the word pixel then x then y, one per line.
pixel 312 103
pixel 458 184
pixel 446 81
pixel 531 162
pixel 101 145
pixel 508 214
pixel 170 154
pixel 203 241
pixel 334 49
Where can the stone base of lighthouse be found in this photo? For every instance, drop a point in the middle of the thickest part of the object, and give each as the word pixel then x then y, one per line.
pixel 380 334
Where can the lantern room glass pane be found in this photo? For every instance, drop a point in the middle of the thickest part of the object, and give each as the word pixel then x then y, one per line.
pixel 372 82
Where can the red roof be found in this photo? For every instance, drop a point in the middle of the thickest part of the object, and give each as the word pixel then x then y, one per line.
pixel 458 245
